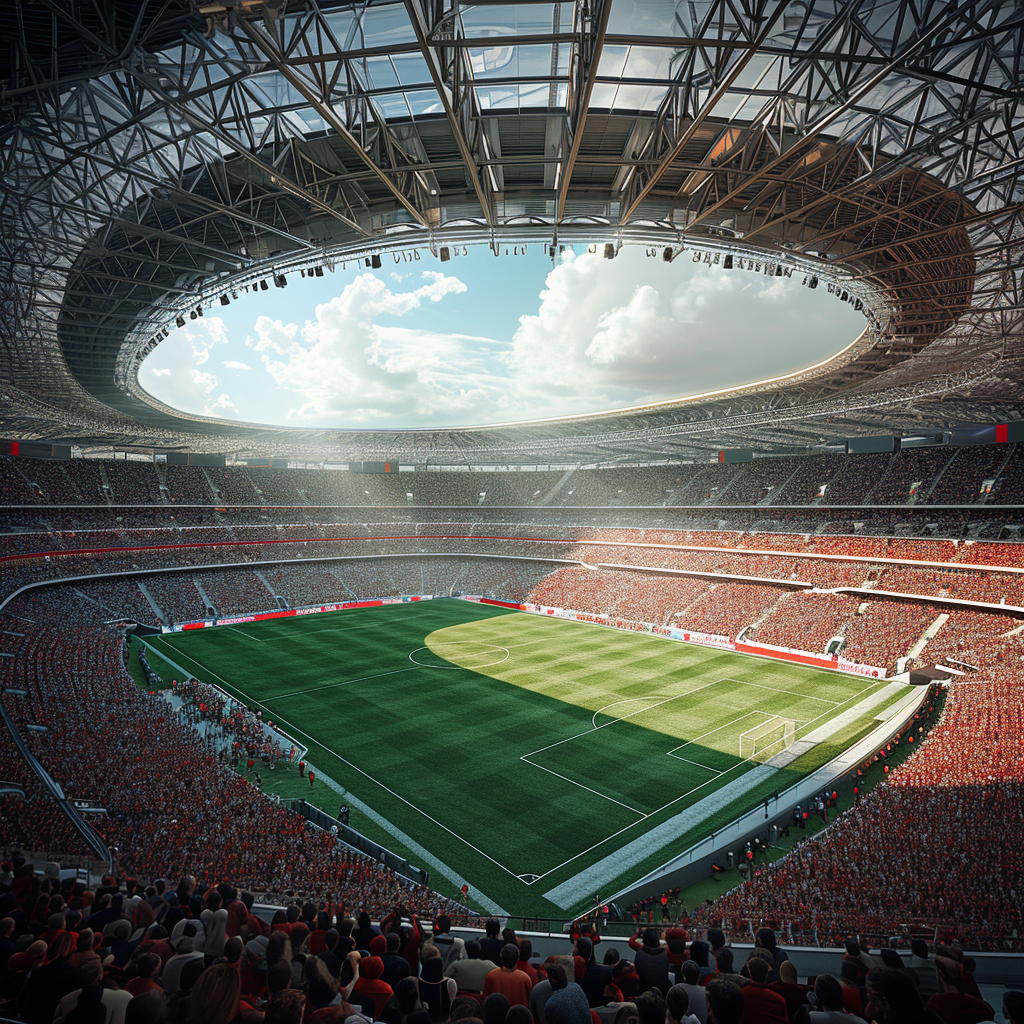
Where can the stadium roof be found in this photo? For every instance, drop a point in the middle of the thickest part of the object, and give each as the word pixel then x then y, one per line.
pixel 156 155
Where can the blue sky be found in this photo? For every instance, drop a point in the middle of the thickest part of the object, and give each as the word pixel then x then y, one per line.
pixel 485 339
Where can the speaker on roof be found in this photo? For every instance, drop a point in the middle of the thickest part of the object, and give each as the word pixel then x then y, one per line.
pixel 813 283
pixel 375 261
pixel 727 262
pixel 445 254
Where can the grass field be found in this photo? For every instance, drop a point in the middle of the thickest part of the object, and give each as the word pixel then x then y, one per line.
pixel 520 750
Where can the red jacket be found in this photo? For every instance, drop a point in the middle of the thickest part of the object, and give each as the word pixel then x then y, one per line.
pixel 675 939
pixel 379 991
pixel 762 1006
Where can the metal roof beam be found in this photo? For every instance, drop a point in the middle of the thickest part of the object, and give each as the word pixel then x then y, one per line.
pixel 914 44
pixel 203 124
pixel 584 62
pixel 677 145
pixel 422 24
pixel 321 104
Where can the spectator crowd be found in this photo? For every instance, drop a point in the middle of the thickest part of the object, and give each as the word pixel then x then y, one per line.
pixel 950 814
pixel 132 953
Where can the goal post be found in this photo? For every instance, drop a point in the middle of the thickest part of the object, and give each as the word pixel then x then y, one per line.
pixel 767 739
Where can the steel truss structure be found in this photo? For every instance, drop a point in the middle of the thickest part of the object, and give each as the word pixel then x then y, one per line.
pixel 158 153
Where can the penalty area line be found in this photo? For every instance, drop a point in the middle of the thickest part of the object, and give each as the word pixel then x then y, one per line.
pixel 595 728
pixel 694 763
pixel 587 788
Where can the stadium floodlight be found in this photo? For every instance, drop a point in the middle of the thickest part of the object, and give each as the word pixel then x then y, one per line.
pixel 180 321
pixel 280 281
pixel 375 261
pixel 193 314
pixel 609 251
pixel 318 271
pixel 667 254
pixel 445 254
pixel 813 283
pixel 264 286
pixel 225 301
pixel 727 262
pixel 778 270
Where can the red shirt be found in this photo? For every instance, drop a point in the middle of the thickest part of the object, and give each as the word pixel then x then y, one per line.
pixel 851 1000
pixel 514 985
pixel 139 985
pixel 528 969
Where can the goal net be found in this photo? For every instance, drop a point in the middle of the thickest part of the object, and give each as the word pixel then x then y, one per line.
pixel 767 739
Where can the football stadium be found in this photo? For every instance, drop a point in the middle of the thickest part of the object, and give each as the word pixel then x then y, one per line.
pixel 511 510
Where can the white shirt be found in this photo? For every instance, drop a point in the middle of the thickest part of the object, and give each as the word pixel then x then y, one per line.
pixel 215 924
pixel 114 1000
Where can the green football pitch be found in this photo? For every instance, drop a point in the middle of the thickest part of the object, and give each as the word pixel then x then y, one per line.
pixel 521 753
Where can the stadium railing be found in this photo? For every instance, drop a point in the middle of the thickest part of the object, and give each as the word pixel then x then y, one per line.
pixel 350 837
pixel 89 835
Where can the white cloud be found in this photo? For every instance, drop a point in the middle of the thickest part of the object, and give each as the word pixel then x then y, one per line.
pixel 205 382
pixel 348 367
pixel 222 406
pixel 601 334
pixel 178 363
pixel 633 329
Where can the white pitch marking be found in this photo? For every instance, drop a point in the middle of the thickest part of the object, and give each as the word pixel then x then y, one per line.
pixel 374 779
pixel 248 636
pixel 461 643
pixel 582 853
pixel 587 732
pixel 776 689
pixel 345 682
pixel 694 763
pixel 628 700
pixel 728 725
pixel 681 796
pixel 302 634
pixel 587 788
